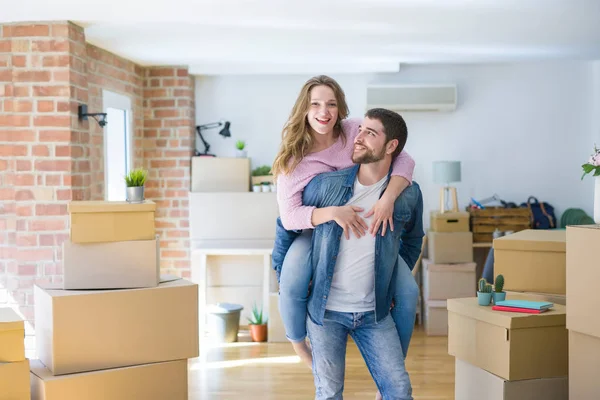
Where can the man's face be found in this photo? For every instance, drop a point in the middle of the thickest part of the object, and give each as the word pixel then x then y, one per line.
pixel 369 145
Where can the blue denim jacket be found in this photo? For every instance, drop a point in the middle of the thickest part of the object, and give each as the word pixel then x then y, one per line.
pixel 335 189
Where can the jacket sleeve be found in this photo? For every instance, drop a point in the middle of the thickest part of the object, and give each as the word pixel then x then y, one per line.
pixel 412 235
pixel 283 241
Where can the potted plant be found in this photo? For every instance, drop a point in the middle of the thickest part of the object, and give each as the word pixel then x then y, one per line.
pixel 499 294
pixel 266 187
pixel 135 181
pixel 484 294
pixel 240 145
pixel 593 167
pixel 258 326
pixel 262 174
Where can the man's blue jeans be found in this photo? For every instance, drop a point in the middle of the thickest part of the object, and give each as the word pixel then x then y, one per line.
pixel 378 343
pixel 295 277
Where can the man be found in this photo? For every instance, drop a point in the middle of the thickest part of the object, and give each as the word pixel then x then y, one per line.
pixel 354 279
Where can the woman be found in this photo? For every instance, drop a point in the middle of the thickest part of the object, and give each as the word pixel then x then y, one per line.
pixel 317 138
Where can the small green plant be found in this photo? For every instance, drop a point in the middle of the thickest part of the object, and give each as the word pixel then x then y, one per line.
pixel 262 171
pixel 499 284
pixel 136 177
pixel 240 144
pixel 482 283
pixel 257 316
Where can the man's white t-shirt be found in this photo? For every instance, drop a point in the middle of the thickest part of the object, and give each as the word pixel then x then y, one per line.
pixel 353 282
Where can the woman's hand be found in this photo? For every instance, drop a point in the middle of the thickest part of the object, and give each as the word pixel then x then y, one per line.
pixel 347 217
pixel 383 212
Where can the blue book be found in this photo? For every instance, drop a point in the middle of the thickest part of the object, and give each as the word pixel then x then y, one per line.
pixel 533 305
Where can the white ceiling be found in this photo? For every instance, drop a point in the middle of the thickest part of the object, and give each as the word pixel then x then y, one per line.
pixel 333 36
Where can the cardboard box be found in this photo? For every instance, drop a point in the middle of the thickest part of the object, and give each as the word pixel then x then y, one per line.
pixel 220 174
pixel 79 331
pixel 553 298
pixel 159 381
pixel 14 381
pixel 510 345
pixel 449 221
pixel 584 356
pixel 472 383
pixel 111 221
pixel 532 261
pixel 450 247
pixel 12 336
pixel 114 265
pixel 435 318
pixel 583 276
pixel 448 281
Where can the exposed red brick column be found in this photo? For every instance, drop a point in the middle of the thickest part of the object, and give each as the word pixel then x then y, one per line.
pixel 169 123
pixel 36 134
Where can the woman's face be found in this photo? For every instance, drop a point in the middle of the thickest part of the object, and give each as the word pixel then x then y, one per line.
pixel 323 110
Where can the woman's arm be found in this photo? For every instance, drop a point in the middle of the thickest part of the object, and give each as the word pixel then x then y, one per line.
pixel 295 215
pixel 403 167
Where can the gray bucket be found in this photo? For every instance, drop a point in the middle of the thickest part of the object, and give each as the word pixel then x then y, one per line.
pixel 224 321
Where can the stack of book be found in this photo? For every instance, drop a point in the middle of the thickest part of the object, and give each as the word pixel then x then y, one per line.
pixel 523 306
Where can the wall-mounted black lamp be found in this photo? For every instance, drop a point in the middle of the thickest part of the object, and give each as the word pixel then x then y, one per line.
pixel 99 117
pixel 223 132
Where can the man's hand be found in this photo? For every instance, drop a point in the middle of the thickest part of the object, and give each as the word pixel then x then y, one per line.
pixel 347 217
pixel 383 212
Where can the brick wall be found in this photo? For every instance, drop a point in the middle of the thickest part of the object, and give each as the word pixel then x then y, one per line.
pixel 48 157
pixel 168 145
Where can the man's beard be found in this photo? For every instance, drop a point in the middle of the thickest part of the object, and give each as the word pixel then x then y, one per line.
pixel 368 157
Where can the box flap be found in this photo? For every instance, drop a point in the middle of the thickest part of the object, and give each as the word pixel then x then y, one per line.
pixel 462 267
pixel 534 240
pixel 10 320
pixel 468 307
pixel 450 215
pixel 56 289
pixel 109 206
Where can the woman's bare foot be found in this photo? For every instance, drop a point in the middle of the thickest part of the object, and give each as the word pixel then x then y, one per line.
pixel 304 352
pixel 378 396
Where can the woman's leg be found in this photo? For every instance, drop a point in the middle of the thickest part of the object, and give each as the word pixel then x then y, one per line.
pixel 296 273
pixel 406 297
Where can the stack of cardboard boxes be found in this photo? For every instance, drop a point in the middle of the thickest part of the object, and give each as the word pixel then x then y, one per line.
pixel 510 355
pixel 14 367
pixel 116 330
pixel 449 270
pixel 583 324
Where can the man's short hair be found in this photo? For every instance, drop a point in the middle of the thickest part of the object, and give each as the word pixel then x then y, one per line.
pixel 393 125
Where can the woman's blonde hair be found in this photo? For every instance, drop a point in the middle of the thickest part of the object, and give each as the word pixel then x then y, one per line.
pixel 297 139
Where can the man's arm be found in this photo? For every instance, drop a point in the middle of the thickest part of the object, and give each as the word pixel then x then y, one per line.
pixel 412 235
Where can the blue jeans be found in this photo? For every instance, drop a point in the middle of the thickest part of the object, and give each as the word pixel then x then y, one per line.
pixel 378 343
pixel 293 293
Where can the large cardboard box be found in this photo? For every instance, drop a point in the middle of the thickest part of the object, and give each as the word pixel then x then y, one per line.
pixel 532 261
pixel 78 331
pixel 510 345
pixel 583 275
pixel 14 381
pixel 448 281
pixel 552 298
pixel 450 247
pixel 449 221
pixel 472 383
pixel 435 318
pixel 12 336
pixel 584 361
pixel 111 221
pixel 158 381
pixel 220 174
pixel 112 265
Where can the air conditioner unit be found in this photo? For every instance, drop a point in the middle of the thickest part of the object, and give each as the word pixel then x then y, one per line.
pixel 412 97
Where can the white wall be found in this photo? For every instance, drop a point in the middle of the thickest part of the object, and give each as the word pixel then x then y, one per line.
pixel 519 129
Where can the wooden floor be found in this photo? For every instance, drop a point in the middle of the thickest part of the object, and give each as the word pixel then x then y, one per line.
pixel 270 371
